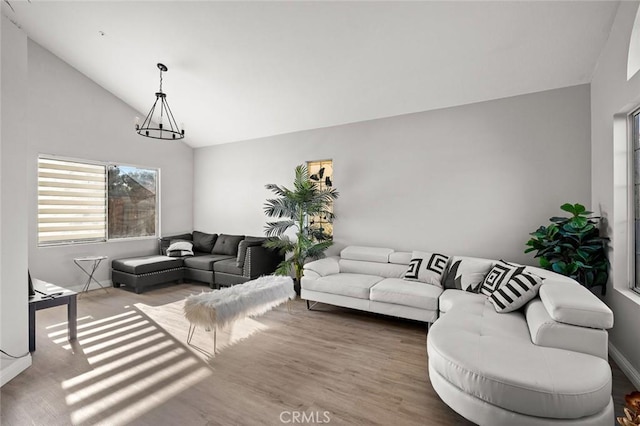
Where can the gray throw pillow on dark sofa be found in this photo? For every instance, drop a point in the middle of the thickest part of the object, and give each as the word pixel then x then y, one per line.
pixel 203 242
pixel 227 244
pixel 242 248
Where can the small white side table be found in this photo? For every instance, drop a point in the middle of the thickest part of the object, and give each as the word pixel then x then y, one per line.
pixel 92 263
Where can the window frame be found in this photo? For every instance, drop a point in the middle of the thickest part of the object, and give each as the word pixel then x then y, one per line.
pixel 106 165
pixel 633 124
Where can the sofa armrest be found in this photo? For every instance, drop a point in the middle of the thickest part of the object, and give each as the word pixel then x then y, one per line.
pixel 260 261
pixel 571 303
pixel 323 267
pixel 545 331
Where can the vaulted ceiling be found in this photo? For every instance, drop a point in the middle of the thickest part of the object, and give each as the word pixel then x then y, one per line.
pixel 244 70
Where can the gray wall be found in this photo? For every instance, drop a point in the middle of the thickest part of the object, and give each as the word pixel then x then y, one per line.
pixel 71 116
pixel 612 98
pixel 13 203
pixel 469 180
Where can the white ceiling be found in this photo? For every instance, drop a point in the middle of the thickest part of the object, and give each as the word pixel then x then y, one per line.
pixel 244 70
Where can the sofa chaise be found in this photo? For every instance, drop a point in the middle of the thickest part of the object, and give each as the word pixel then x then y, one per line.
pixel 218 260
pixel 542 364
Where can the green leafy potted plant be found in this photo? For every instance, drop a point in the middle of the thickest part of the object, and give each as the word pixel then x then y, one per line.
pixel 295 209
pixel 572 246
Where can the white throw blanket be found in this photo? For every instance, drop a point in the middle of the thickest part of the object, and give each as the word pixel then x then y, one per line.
pixel 220 307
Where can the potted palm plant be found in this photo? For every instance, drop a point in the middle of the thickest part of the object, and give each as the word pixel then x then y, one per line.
pixel 295 209
pixel 572 246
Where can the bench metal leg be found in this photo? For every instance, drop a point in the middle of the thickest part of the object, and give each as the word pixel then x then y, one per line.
pixel 191 332
pixel 192 329
pixel 310 306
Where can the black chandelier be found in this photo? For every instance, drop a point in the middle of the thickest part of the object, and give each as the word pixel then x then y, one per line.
pixel 167 128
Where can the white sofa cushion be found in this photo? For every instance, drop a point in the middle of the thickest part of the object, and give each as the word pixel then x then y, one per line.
pixel 322 267
pixel 572 303
pixel 516 293
pixel 367 254
pixel 385 270
pixel 490 356
pixel 344 284
pixel 427 267
pixel 407 293
pixel 400 257
pixel 545 331
pixel 467 273
pixel 452 298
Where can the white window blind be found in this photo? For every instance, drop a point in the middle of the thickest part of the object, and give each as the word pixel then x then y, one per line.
pixel 71 201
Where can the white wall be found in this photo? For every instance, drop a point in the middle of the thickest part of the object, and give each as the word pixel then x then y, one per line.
pixel 612 95
pixel 71 116
pixel 474 179
pixel 13 203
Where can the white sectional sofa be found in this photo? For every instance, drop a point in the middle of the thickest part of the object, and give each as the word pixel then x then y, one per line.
pixel 544 364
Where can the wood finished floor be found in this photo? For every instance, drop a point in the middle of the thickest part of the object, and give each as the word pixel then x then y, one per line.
pixel 130 365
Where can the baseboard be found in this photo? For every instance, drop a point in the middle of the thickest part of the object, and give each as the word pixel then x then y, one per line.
pixel 78 287
pixel 15 368
pixel 627 368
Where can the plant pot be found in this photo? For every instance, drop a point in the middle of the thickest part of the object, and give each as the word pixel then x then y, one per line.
pixel 296 286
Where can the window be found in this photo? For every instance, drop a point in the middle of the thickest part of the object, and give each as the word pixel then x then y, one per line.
pixel 81 202
pixel 635 136
pixel 132 202
pixel 321 172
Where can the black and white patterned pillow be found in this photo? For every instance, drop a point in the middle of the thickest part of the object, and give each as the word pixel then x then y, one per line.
pixel 500 274
pixel 516 293
pixel 466 274
pixel 427 267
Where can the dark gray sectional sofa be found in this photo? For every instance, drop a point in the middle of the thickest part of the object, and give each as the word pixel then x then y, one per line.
pixel 218 260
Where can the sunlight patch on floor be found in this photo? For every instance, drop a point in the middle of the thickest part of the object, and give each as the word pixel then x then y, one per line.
pixel 156 398
pixel 116 340
pixel 171 318
pixel 107 368
pixel 141 386
pixel 112 332
pixel 64 324
pixel 135 364
pixel 83 335
pixel 114 380
pixel 129 346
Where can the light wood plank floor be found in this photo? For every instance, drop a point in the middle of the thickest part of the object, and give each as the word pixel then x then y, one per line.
pixel 130 365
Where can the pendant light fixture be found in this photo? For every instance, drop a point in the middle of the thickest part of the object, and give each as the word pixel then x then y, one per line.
pixel 159 123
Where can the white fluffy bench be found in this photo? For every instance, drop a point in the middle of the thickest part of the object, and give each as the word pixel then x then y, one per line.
pixel 218 308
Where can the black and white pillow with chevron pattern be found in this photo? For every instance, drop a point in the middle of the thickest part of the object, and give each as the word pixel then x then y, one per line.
pixel 500 273
pixel 516 293
pixel 427 267
pixel 466 273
